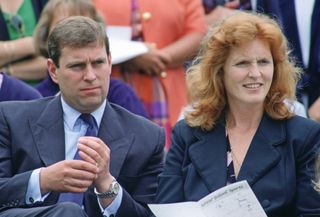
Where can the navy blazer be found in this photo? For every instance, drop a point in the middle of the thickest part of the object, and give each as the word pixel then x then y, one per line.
pixel 32 136
pixel 279 165
pixel 284 11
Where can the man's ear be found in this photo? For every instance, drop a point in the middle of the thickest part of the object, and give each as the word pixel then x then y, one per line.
pixel 110 63
pixel 52 68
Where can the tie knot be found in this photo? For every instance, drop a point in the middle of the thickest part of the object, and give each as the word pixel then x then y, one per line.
pixel 92 124
pixel 88 119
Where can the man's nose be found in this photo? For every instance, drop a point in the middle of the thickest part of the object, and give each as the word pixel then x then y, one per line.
pixel 90 73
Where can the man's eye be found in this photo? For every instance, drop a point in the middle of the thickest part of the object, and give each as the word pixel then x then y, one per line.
pixel 99 62
pixel 77 66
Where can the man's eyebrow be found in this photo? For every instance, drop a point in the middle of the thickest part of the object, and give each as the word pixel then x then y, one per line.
pixel 74 63
pixel 99 59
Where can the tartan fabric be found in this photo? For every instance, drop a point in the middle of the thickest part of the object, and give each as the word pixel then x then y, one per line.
pixel 149 88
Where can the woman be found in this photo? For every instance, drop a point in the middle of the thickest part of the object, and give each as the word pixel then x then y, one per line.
pixel 56 10
pixel 240 127
pixel 18 19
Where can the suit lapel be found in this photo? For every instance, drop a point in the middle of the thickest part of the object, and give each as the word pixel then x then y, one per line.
pixel 208 156
pixel 262 155
pixel 119 142
pixel 48 132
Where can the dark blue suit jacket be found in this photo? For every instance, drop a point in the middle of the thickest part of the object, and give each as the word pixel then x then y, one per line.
pixel 284 11
pixel 279 165
pixel 32 136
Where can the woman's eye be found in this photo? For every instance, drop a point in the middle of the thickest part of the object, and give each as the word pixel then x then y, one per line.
pixel 242 63
pixel 263 62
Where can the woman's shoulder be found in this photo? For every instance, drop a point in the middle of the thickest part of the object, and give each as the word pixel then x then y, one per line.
pixel 188 133
pixel 300 122
pixel 303 128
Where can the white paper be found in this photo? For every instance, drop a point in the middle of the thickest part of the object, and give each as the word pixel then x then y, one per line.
pixel 121 46
pixel 235 200
pixel 119 32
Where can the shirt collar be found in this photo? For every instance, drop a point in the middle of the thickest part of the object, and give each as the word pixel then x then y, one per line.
pixel 71 115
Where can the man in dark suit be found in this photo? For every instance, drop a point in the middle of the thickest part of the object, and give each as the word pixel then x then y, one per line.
pixel 308 58
pixel 77 145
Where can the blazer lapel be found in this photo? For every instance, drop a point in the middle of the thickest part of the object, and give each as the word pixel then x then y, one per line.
pixel 119 142
pixel 48 132
pixel 209 157
pixel 262 155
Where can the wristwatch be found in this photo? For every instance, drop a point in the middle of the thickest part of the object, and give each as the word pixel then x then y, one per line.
pixel 111 192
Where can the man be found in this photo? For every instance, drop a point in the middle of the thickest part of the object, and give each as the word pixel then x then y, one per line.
pixel 43 151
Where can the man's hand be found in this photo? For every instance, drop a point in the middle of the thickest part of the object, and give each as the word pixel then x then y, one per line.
pixel 68 176
pixel 94 151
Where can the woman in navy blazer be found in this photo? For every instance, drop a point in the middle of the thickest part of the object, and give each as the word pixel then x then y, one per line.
pixel 239 127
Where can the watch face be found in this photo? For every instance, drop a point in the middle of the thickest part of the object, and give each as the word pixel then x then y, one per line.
pixel 115 187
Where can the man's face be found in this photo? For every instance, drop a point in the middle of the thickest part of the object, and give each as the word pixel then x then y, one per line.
pixel 83 76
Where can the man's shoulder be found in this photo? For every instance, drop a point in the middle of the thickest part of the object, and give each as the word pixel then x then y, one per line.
pixel 25 107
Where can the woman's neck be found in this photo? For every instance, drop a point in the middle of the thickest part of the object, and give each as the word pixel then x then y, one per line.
pixel 243 119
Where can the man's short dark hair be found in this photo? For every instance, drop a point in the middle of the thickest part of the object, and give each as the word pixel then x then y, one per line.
pixel 75 31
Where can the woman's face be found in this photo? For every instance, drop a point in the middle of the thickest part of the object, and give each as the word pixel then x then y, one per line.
pixel 248 73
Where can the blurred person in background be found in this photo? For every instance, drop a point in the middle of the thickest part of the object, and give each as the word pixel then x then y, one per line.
pixel 18 19
pixel 172 29
pixel 218 9
pixel 14 89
